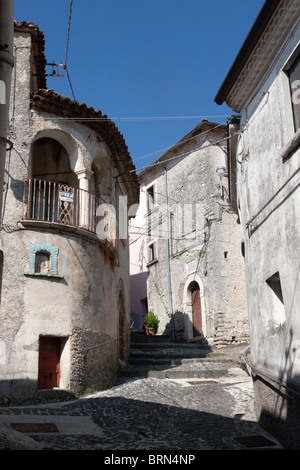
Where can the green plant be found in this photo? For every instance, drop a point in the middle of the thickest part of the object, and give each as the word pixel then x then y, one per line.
pixel 151 321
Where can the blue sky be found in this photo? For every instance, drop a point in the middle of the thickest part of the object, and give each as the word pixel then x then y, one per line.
pixel 150 65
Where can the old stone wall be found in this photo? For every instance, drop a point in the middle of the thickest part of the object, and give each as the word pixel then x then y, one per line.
pixel 205 247
pixel 95 361
pixel 268 191
pixel 78 299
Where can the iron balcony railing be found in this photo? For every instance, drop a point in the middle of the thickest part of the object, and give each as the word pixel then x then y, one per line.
pixel 48 201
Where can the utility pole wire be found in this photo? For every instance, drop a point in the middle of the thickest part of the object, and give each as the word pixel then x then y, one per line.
pixel 68 35
pixel 67 49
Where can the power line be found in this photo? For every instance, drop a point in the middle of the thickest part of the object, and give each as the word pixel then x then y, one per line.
pixel 180 142
pixel 68 34
pixel 184 154
pixel 136 118
pixel 67 49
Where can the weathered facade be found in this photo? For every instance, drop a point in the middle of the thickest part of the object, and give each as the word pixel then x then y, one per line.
pixel 65 291
pixel 263 87
pixel 191 239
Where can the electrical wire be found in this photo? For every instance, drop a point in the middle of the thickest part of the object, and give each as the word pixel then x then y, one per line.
pixel 180 142
pixel 67 50
pixel 135 118
pixel 68 34
pixel 159 162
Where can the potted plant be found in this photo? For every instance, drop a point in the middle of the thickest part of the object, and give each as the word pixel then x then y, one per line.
pixel 151 323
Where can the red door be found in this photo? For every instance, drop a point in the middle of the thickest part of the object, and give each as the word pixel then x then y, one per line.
pixel 196 305
pixel 49 362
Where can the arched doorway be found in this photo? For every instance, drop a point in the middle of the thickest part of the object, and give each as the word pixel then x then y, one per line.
pixel 122 327
pixel 194 289
pixel 194 308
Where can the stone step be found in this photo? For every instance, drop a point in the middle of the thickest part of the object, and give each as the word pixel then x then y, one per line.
pixel 143 338
pixel 174 361
pixel 169 345
pixel 162 357
pixel 182 371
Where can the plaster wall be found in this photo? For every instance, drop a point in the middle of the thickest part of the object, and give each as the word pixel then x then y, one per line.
pixel 138 262
pixel 81 305
pixel 269 198
pixel 206 235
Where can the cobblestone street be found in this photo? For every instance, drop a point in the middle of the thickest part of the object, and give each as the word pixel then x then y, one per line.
pixel 147 414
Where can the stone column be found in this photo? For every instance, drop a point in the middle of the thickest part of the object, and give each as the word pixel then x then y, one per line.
pixel 83 176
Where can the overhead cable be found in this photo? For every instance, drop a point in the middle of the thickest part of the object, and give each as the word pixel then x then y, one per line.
pixel 183 154
pixel 67 49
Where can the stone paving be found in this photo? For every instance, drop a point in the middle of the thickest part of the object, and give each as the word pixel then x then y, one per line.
pixel 147 414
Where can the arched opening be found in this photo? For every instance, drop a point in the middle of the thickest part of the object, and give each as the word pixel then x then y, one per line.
pixel 195 308
pixel 122 327
pixel 50 161
pixel 52 186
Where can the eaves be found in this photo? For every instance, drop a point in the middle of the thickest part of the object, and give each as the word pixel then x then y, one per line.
pixel 258 51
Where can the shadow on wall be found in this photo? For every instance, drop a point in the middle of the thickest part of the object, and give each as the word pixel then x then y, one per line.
pixel 280 411
pixel 277 397
pixel 183 328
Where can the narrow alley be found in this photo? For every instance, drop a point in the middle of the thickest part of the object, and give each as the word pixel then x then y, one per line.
pixel 199 400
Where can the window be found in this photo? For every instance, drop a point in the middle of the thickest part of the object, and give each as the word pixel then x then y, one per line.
pixel 150 197
pixel 276 299
pixel 152 252
pixel 294 79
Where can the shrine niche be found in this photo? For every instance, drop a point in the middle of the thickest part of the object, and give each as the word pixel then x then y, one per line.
pixel 43 260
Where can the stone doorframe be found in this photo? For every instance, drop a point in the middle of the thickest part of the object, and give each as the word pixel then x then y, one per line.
pixel 187 307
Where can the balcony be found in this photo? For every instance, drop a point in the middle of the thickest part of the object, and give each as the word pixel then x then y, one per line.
pixel 58 205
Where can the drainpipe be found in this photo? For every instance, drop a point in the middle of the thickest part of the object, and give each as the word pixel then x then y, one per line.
pixel 6 66
pixel 168 252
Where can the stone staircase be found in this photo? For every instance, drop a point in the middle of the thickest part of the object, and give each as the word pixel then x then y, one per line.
pixel 161 357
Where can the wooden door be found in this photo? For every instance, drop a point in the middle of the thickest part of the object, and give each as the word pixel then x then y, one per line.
pixel 49 362
pixel 196 306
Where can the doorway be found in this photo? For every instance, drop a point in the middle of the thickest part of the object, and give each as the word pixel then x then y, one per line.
pixel 49 362
pixel 122 327
pixel 196 309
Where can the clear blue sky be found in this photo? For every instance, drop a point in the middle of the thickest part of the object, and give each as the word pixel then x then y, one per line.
pixel 144 59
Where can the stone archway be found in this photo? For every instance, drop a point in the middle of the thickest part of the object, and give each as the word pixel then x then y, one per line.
pixel 194 290
pixel 194 308
pixel 122 330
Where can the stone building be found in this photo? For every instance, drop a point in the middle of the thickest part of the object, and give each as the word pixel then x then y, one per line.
pixel 189 234
pixel 262 86
pixel 65 290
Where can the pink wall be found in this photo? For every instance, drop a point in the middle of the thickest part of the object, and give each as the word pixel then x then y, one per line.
pixel 138 263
